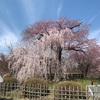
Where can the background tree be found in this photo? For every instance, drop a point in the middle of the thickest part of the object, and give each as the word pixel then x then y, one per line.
pixel 3 64
pixel 90 61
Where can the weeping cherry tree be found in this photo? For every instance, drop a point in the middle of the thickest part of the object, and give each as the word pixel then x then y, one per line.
pixel 44 43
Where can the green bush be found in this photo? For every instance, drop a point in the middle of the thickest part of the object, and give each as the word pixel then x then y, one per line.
pixel 9 83
pixel 10 80
pixel 6 75
pixel 35 87
pixel 38 81
pixel 70 89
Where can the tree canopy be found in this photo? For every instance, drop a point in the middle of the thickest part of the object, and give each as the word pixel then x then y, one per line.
pixel 50 47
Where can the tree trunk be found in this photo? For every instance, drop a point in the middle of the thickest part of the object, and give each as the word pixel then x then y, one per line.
pixel 58 70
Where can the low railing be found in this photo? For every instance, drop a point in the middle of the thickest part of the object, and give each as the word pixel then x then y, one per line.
pixel 44 92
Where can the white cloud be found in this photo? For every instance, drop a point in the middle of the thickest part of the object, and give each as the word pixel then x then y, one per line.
pixel 6 40
pixel 95 34
pixel 59 10
pixel 98 42
pixel 28 9
pixel 93 18
pixel 7 37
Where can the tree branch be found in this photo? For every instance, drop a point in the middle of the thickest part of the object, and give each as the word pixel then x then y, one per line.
pixel 75 25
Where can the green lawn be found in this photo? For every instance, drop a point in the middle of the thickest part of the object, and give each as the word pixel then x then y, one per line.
pixel 87 81
pixel 83 81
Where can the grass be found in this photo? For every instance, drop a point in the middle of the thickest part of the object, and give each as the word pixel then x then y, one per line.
pixel 83 81
pixel 87 81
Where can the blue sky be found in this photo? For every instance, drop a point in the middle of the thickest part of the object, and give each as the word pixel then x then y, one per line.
pixel 16 15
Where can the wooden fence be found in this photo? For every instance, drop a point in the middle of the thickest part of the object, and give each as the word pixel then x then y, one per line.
pixel 73 75
pixel 42 92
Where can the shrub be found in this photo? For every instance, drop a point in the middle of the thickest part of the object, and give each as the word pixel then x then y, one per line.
pixel 6 75
pixel 70 89
pixel 9 83
pixel 10 80
pixel 38 81
pixel 34 87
